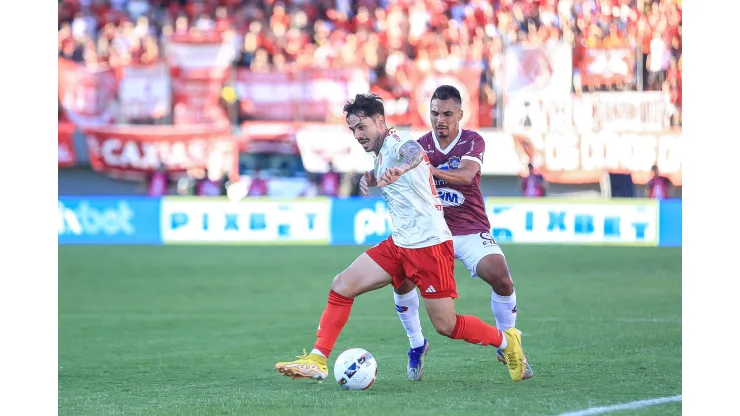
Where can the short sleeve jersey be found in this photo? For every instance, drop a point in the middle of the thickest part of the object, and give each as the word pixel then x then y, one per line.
pixel 415 208
pixel 464 207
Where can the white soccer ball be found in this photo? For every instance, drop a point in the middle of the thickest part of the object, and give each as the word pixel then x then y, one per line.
pixel 355 369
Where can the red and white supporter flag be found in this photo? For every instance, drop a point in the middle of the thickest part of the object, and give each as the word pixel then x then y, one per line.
pixel 306 95
pixel 145 91
pixel 66 155
pixel 199 64
pixel 545 69
pixel 87 94
pixel 608 67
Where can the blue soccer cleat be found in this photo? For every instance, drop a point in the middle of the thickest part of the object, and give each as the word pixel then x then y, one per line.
pixel 415 368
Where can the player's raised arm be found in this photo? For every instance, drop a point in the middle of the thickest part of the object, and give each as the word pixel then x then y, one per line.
pixel 411 154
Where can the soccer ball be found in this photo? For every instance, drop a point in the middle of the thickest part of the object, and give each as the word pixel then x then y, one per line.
pixel 355 369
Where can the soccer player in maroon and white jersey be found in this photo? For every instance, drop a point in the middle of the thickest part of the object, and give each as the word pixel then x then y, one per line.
pixel 659 187
pixel 456 156
pixel 418 251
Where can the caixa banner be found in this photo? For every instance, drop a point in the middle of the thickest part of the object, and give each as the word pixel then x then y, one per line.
pixel 109 220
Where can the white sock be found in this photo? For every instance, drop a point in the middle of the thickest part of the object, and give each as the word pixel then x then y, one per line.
pixel 504 343
pixel 317 352
pixel 504 310
pixel 407 307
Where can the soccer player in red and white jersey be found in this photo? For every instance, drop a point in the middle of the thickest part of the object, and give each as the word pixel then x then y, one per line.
pixel 457 156
pixel 418 251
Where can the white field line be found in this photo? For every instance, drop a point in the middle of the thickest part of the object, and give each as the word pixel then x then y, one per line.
pixel 625 406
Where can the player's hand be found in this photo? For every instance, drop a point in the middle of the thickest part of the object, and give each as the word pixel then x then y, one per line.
pixel 391 175
pixel 365 183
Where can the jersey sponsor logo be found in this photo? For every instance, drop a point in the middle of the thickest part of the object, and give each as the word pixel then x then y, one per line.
pixel 452 163
pixel 450 197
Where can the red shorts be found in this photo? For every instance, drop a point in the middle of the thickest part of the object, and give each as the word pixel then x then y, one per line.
pixel 430 268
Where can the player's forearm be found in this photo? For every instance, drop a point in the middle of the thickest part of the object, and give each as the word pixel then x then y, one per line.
pixel 411 154
pixel 454 177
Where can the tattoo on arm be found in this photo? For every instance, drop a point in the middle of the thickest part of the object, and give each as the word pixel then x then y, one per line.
pixel 412 154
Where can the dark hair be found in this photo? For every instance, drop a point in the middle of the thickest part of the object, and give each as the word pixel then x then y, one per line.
pixel 446 92
pixel 365 105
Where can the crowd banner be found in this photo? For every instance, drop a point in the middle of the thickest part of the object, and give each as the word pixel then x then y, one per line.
pixel 251 221
pixel 575 158
pixel 66 154
pixel 133 151
pixel 87 94
pixel 628 111
pixel 608 66
pixel 308 95
pixel 561 157
pixel 545 70
pixel 410 106
pixel 145 91
pixel 199 66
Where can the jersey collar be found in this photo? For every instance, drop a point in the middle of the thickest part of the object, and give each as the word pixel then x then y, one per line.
pixel 450 147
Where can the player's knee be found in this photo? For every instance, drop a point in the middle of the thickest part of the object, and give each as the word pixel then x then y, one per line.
pixel 503 285
pixel 341 286
pixel 445 325
pixel 495 272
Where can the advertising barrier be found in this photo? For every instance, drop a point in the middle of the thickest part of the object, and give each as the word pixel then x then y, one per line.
pixel 249 221
pixel 354 221
pixel 633 222
pixel 517 220
pixel 109 220
pixel 671 223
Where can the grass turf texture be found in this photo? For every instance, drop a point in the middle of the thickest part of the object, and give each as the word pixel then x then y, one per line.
pixel 187 330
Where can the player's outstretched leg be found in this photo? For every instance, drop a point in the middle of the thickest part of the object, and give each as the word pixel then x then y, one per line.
pixel 363 275
pixel 493 270
pixel 473 330
pixel 407 305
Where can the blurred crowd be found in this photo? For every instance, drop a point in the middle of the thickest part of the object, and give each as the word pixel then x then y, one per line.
pixel 386 36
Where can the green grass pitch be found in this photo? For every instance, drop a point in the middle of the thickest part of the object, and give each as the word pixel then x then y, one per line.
pixel 197 330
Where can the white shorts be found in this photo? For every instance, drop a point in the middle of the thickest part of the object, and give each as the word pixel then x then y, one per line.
pixel 471 248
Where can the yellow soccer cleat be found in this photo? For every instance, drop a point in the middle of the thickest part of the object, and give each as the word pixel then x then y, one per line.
pixel 311 366
pixel 528 372
pixel 514 355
